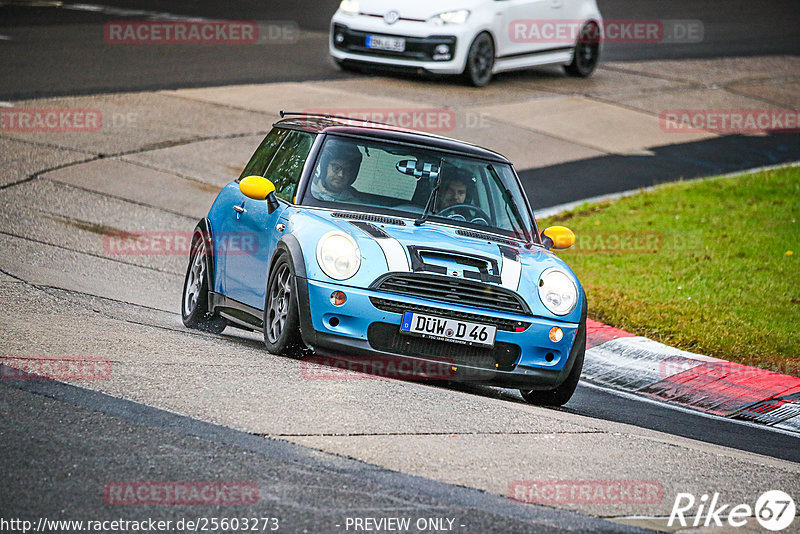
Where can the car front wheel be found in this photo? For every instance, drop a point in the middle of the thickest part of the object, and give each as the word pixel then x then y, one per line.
pixel 480 61
pixel 281 318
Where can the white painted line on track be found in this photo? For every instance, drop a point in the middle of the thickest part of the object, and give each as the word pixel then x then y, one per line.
pixel 683 409
pixel 6 38
pixel 123 12
pixel 561 208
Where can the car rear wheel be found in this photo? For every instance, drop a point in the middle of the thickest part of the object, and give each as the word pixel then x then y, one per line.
pixel 480 61
pixel 194 304
pixel 560 395
pixel 587 52
pixel 281 318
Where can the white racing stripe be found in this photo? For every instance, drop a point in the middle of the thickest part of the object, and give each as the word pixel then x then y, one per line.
pixel 510 273
pixel 395 253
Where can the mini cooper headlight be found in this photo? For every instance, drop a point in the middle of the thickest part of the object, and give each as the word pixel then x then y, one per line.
pixel 349 7
pixel 338 255
pixel 450 17
pixel 557 291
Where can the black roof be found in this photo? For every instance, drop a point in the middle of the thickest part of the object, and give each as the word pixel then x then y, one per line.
pixel 336 126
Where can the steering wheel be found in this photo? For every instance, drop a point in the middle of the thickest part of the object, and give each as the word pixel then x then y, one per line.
pixel 474 214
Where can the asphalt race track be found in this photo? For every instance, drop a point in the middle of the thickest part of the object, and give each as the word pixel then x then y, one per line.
pixel 81 65
pixel 191 406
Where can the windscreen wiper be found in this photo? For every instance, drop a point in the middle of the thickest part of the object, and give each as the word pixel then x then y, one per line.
pixel 432 197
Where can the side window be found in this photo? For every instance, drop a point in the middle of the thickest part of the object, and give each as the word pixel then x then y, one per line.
pixel 287 165
pixel 264 154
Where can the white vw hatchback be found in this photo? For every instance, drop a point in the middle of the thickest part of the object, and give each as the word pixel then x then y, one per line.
pixel 476 38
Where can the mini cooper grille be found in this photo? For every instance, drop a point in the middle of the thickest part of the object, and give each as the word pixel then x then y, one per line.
pixel 487 237
pixel 387 338
pixel 399 307
pixel 368 217
pixel 453 290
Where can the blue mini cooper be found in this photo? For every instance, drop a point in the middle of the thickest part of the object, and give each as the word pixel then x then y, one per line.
pixel 351 238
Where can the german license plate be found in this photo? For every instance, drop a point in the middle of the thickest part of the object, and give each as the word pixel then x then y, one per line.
pixel 379 42
pixel 452 330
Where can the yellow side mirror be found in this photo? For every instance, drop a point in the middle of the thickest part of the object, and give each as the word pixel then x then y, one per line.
pixel 256 187
pixel 560 237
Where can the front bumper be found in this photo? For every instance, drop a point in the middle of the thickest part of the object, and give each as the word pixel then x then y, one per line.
pixel 348 43
pixel 368 324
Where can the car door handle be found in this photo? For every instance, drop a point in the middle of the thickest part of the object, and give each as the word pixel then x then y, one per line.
pixel 239 209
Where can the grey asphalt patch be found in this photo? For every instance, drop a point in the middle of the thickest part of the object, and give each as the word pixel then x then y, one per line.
pixel 134 122
pixel 130 181
pixel 494 462
pixel 217 162
pixel 19 160
pixel 93 223
pixel 47 265
pixel 111 440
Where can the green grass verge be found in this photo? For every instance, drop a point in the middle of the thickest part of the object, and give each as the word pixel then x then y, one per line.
pixel 710 266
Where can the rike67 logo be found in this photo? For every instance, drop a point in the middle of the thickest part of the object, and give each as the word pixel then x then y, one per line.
pixel 774 510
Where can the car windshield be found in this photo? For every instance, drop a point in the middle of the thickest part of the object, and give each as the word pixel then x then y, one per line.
pixel 397 179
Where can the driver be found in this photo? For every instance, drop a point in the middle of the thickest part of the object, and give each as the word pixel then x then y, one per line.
pixel 337 171
pixel 455 189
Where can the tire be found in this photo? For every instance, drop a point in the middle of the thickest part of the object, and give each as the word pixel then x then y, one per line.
pixel 281 317
pixel 587 52
pixel 561 394
pixel 194 301
pixel 480 61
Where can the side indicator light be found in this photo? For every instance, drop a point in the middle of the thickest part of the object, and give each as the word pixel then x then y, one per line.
pixel 556 334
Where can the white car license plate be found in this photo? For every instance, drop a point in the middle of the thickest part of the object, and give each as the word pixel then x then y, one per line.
pixel 452 330
pixel 380 42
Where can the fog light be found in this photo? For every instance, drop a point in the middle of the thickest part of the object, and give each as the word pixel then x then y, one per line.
pixel 339 38
pixel 556 334
pixel 338 298
pixel 442 49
